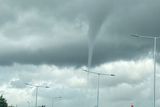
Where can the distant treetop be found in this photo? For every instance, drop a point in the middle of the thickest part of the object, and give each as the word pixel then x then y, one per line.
pixel 3 102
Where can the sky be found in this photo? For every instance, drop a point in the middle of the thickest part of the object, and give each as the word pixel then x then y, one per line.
pixel 51 42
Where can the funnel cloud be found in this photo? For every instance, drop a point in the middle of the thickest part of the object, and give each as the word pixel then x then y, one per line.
pixel 48 42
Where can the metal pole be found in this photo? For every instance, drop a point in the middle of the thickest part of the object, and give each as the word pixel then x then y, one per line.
pixel 36 95
pixel 154 85
pixel 28 104
pixel 52 101
pixel 98 91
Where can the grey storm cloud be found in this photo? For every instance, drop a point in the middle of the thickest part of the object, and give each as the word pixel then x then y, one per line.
pixel 57 31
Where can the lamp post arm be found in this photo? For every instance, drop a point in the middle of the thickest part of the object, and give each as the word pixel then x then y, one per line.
pixel 99 73
pixel 149 37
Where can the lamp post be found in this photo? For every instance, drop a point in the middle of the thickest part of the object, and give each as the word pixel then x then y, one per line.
pixel 154 57
pixel 37 87
pixel 98 78
pixel 29 104
pixel 57 98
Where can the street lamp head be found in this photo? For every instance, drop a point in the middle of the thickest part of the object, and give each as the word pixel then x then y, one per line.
pixel 112 75
pixel 59 97
pixel 148 37
pixel 46 87
pixel 26 84
pixel 85 70
pixel 134 35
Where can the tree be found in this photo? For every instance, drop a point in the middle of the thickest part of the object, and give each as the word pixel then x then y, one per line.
pixel 3 102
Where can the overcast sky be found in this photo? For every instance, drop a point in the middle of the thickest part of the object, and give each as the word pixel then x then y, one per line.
pixel 48 42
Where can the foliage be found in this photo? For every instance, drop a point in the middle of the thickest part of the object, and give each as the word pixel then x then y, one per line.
pixel 3 102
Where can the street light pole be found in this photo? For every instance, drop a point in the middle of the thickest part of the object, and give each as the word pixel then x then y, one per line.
pixel 55 98
pixel 154 99
pixel 154 68
pixel 36 95
pixel 98 78
pixel 37 87
pixel 29 104
pixel 98 91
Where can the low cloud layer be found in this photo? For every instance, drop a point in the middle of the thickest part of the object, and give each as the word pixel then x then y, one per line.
pixel 132 84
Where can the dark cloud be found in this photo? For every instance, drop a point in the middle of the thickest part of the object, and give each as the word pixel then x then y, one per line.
pixel 7 16
pixel 61 56
pixel 55 31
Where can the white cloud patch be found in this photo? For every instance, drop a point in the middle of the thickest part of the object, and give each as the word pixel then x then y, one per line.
pixel 133 83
